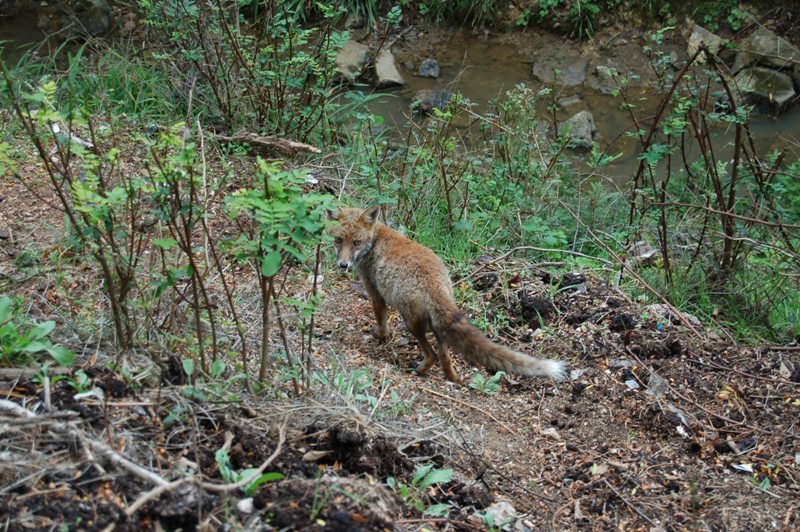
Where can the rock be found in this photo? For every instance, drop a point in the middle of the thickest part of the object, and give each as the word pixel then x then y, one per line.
pixel 661 312
pixel 641 253
pixel 92 16
pixel 245 505
pixel 602 78
pixel 768 90
pixel 354 21
pixel 429 68
pixel 425 101
pixel 657 386
pixel 501 514
pixel 570 71
pixel 569 101
pixel 581 130
pixel 351 59
pixel 386 71
pixel 765 48
pixel 701 35
pixel 5 234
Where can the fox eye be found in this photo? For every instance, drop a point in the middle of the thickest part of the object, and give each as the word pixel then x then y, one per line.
pixel 356 243
pixel 338 240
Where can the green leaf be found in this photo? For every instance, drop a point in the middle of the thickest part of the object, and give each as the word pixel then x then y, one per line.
pixel 437 476
pixel 61 355
pixel 217 368
pixel 165 243
pixel 437 510
pixel 36 346
pixel 271 263
pixel 41 330
pixel 266 477
pixel 188 367
pixel 5 309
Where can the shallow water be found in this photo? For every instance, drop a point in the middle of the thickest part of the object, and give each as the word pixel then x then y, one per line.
pixel 483 70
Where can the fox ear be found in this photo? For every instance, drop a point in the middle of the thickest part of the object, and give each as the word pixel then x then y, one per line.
pixel 371 215
pixel 333 214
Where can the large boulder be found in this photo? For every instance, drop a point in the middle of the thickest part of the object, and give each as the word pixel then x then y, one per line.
pixel 425 101
pixel 581 130
pixel 566 71
pixel 351 60
pixel 386 72
pixel 92 17
pixel 769 90
pixel 765 48
pixel 429 68
pixel 699 36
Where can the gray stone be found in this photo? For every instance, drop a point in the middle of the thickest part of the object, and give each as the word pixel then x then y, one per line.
pixel 765 48
pixel 354 21
pixel 581 130
pixel 768 90
pixel 425 101
pixel 701 35
pixel 351 59
pixel 501 513
pixel 92 17
pixel 429 68
pixel 386 72
pixel 569 101
pixel 602 78
pixel 571 72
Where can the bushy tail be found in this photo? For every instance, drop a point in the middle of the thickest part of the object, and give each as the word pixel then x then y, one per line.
pixel 468 340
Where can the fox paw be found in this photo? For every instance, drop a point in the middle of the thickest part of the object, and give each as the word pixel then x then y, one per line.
pixel 380 335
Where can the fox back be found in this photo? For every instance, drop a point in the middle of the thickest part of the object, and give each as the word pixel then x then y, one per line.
pixel 410 278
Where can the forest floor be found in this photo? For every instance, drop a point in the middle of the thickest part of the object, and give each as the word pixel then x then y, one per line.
pixel 664 424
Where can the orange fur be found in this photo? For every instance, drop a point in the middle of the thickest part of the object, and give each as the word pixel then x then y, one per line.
pixel 410 278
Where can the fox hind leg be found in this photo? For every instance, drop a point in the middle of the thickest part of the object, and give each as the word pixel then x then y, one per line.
pixel 418 330
pixel 447 361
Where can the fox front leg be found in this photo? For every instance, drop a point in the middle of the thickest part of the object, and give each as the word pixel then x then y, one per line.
pixel 381 330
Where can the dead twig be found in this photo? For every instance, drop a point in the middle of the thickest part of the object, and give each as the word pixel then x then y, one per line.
pixel 209 486
pixel 289 147
pixel 463 403
pixel 65 429
pixel 629 504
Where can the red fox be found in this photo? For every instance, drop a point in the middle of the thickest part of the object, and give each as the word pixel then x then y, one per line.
pixel 413 280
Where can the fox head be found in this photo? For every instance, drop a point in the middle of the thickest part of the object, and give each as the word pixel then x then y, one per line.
pixel 354 234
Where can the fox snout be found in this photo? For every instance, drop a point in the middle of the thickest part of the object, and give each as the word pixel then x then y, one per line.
pixel 345 264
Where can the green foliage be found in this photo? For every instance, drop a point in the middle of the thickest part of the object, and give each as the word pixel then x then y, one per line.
pixel 490 386
pixel 20 341
pixel 275 78
pixel 288 220
pixel 459 11
pixel 231 476
pixel 414 494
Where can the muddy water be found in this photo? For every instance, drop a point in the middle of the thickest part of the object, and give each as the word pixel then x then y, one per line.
pixel 483 69
pixel 18 34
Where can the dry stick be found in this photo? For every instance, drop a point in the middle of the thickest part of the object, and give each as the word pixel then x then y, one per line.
pixel 701 407
pixel 635 275
pixel 481 410
pixel 99 448
pixel 217 488
pixel 533 248
pixel 630 505
pixel 777 382
pixel 288 147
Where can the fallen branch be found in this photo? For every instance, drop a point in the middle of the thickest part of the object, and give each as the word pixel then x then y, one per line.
pixel 289 147
pixel 463 403
pixel 217 488
pixel 65 429
pixel 675 312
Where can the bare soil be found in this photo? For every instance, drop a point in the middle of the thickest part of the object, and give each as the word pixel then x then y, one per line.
pixel 661 426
